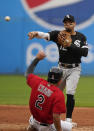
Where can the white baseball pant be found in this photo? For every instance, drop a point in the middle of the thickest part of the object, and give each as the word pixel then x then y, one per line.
pixel 66 126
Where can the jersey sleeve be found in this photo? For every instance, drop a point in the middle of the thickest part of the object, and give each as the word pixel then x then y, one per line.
pixel 59 104
pixel 33 80
pixel 84 42
pixel 53 35
pixel 81 50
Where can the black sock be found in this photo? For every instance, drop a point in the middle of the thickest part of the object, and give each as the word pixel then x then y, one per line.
pixel 70 105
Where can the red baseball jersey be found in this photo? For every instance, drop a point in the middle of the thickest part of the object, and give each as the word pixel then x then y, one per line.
pixel 45 99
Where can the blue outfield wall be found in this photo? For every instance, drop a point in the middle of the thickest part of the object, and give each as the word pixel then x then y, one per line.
pixel 17 52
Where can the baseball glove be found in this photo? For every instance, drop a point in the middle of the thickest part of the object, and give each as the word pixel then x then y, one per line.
pixel 64 38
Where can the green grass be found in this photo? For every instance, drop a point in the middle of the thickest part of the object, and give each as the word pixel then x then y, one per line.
pixel 14 90
pixel 85 92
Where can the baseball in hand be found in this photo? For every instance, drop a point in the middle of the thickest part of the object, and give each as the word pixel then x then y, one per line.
pixel 7 18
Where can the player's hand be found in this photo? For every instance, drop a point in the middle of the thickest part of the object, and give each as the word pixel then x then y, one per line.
pixel 41 55
pixel 32 35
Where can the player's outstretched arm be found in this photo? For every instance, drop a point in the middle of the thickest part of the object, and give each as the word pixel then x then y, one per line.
pixel 36 34
pixel 41 55
pixel 57 123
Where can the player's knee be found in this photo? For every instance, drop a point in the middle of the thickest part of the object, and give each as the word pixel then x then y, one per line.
pixel 70 91
pixel 31 128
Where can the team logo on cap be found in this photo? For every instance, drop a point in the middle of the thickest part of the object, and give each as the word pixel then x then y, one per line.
pixel 49 13
pixel 68 16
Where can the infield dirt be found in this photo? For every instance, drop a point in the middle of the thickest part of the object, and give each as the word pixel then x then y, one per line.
pixel 15 118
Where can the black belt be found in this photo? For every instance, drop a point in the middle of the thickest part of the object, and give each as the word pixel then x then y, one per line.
pixel 43 124
pixel 69 65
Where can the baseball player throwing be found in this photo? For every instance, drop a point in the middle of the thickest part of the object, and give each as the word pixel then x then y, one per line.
pixel 71 46
pixel 47 102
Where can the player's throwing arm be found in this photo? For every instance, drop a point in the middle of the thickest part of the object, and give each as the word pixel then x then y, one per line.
pixel 41 35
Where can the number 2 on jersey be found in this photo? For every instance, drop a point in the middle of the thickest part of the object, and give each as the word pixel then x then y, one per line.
pixel 40 100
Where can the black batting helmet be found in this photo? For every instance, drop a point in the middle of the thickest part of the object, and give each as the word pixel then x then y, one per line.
pixel 54 75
